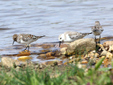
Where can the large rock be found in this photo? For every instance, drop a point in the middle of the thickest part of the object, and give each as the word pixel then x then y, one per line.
pixel 9 62
pixel 80 46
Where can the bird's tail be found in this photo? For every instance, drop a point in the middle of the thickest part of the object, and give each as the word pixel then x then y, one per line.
pixel 87 33
pixel 40 36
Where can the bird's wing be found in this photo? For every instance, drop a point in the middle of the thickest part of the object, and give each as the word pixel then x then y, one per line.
pixel 101 28
pixel 75 35
pixel 27 37
pixel 93 28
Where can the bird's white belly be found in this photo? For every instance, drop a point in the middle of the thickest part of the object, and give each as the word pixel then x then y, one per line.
pixel 23 42
pixel 67 38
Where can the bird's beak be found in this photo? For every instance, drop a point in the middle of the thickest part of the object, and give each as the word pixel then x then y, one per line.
pixel 60 43
pixel 13 42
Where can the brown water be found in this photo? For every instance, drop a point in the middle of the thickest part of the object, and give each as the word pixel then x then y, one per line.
pixel 51 18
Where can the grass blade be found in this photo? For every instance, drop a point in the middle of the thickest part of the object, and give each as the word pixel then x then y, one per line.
pixel 99 63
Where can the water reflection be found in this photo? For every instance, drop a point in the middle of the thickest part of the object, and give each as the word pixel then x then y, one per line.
pixel 52 17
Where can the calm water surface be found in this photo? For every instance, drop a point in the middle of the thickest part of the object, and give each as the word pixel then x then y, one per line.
pixel 52 17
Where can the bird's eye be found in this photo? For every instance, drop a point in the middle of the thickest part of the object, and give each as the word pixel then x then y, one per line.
pixel 60 38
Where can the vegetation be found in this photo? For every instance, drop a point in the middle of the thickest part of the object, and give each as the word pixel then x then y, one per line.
pixel 74 76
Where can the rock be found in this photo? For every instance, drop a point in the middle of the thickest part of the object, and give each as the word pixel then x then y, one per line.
pixel 32 65
pixel 45 51
pixel 109 56
pixel 24 53
pixel 50 54
pixel 72 57
pixel 84 62
pixel 55 54
pixel 79 47
pixel 92 62
pixel 106 62
pixel 103 57
pixel 42 56
pixel 63 45
pixel 52 63
pixel 47 46
pixel 55 75
pixel 101 46
pixel 63 50
pixel 24 58
pixel 17 69
pixel 65 63
pixel 63 57
pixel 9 62
pixel 110 48
pixel 40 66
pixel 50 57
pixel 81 66
pixel 92 54
pixel 73 61
pixel 84 66
pixel 107 43
pixel 106 53
pixel 60 62
pixel 36 66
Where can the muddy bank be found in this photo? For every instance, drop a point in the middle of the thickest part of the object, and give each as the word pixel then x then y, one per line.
pixel 71 53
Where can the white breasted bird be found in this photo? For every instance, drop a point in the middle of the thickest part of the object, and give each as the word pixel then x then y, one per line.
pixel 71 36
pixel 97 30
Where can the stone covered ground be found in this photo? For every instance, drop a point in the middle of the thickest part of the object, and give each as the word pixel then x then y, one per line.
pixel 83 53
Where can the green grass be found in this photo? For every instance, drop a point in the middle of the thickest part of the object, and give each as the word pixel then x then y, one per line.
pixel 74 76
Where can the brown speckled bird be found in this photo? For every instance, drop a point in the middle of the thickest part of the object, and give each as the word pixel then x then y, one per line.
pixel 97 30
pixel 25 39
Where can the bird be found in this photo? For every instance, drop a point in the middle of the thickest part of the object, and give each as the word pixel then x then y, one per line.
pixel 25 39
pixel 71 36
pixel 97 30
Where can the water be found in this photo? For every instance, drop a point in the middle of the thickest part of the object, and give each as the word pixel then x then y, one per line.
pixel 52 17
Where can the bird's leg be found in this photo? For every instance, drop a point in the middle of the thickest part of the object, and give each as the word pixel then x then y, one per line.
pixel 60 42
pixel 97 47
pixel 27 47
pixel 96 43
pixel 99 39
pixel 95 39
